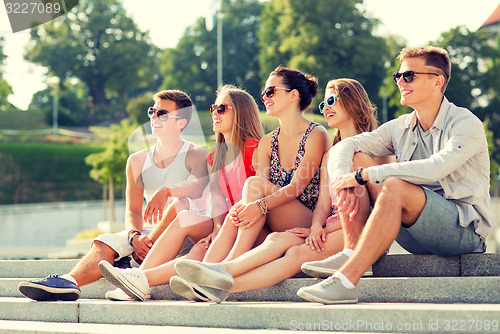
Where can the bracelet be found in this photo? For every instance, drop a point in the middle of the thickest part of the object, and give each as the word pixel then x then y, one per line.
pixel 359 177
pixel 262 204
pixel 131 236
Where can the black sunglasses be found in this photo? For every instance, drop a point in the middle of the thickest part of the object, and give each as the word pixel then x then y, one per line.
pixel 219 109
pixel 330 102
pixel 162 114
pixel 270 91
pixel 408 75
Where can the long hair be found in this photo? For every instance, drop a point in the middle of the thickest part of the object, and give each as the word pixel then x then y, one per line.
pixel 246 123
pixel 353 98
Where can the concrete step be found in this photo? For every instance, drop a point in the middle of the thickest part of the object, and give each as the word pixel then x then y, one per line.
pixel 392 265
pixel 362 317
pixel 14 327
pixel 476 290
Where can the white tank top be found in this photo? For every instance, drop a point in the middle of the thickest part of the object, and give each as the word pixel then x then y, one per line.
pixel 154 177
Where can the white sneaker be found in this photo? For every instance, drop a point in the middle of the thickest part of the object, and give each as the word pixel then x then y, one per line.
pixel 329 291
pixel 118 295
pixel 132 281
pixel 328 266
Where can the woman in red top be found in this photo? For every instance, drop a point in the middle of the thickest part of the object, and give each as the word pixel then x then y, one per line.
pixel 238 129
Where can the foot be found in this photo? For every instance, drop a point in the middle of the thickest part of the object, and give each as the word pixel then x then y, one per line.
pixel 132 281
pixel 329 291
pixel 328 266
pixel 50 288
pixel 118 295
pixel 204 274
pixel 195 292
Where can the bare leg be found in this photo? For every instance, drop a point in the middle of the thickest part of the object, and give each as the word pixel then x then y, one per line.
pixel 162 274
pixel 86 271
pixel 275 245
pixel 398 202
pixel 175 206
pixel 166 248
pixel 223 242
pixel 287 266
pixel 289 215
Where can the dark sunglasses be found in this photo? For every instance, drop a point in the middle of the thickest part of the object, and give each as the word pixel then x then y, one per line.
pixel 329 102
pixel 408 75
pixel 219 109
pixel 162 114
pixel 270 91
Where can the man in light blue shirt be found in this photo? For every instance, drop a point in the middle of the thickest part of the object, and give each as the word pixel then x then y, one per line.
pixel 433 200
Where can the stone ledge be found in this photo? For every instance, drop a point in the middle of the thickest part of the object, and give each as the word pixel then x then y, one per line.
pixel 259 315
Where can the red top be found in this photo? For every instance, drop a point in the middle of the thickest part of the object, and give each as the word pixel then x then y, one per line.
pixel 235 179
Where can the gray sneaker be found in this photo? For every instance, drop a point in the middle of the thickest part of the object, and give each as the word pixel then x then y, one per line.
pixel 204 274
pixel 328 266
pixel 196 293
pixel 329 291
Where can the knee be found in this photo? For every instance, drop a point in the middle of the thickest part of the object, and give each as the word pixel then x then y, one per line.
pixel 181 220
pixel 296 253
pixel 393 186
pixel 180 204
pixel 254 187
pixel 101 247
pixel 275 237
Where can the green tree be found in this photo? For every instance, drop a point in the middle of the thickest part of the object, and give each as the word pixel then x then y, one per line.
pixel 327 38
pixel 108 166
pixel 138 106
pixel 100 45
pixel 192 65
pixel 5 89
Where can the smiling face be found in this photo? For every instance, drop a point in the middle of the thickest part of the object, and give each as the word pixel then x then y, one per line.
pixel 336 116
pixel 171 125
pixel 224 123
pixel 280 99
pixel 423 86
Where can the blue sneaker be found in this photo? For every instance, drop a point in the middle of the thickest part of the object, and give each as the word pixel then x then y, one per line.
pixel 50 288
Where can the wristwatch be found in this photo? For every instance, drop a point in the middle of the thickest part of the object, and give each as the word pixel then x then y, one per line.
pixel 358 177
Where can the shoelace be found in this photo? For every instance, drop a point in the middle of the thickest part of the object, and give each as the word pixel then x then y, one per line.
pixel 329 281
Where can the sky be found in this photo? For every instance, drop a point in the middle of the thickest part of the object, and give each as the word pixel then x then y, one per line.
pixel 418 21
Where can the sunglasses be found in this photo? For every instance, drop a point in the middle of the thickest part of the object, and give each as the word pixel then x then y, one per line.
pixel 162 114
pixel 329 102
pixel 270 91
pixel 219 109
pixel 408 75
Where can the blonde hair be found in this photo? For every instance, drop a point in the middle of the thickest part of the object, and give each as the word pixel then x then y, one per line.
pixel 353 98
pixel 246 123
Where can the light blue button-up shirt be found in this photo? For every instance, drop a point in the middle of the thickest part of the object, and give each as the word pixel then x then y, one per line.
pixel 460 160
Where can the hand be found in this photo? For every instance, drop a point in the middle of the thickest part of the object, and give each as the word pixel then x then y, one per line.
pixel 344 182
pixel 316 238
pixel 141 245
pixel 233 213
pixel 247 215
pixel 348 204
pixel 154 210
pixel 207 241
pixel 301 232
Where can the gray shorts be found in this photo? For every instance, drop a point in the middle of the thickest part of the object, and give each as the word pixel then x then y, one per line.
pixel 437 230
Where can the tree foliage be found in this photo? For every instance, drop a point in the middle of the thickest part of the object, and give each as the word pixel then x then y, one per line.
pixel 100 45
pixel 192 65
pixel 5 89
pixel 328 38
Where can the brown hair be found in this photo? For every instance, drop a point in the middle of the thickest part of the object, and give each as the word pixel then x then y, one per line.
pixel 353 98
pixel 181 99
pixel 305 84
pixel 434 56
pixel 246 123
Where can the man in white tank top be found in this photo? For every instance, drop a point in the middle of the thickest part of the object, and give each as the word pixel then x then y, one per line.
pixel 171 175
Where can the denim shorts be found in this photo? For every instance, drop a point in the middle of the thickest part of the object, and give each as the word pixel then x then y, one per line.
pixel 437 230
